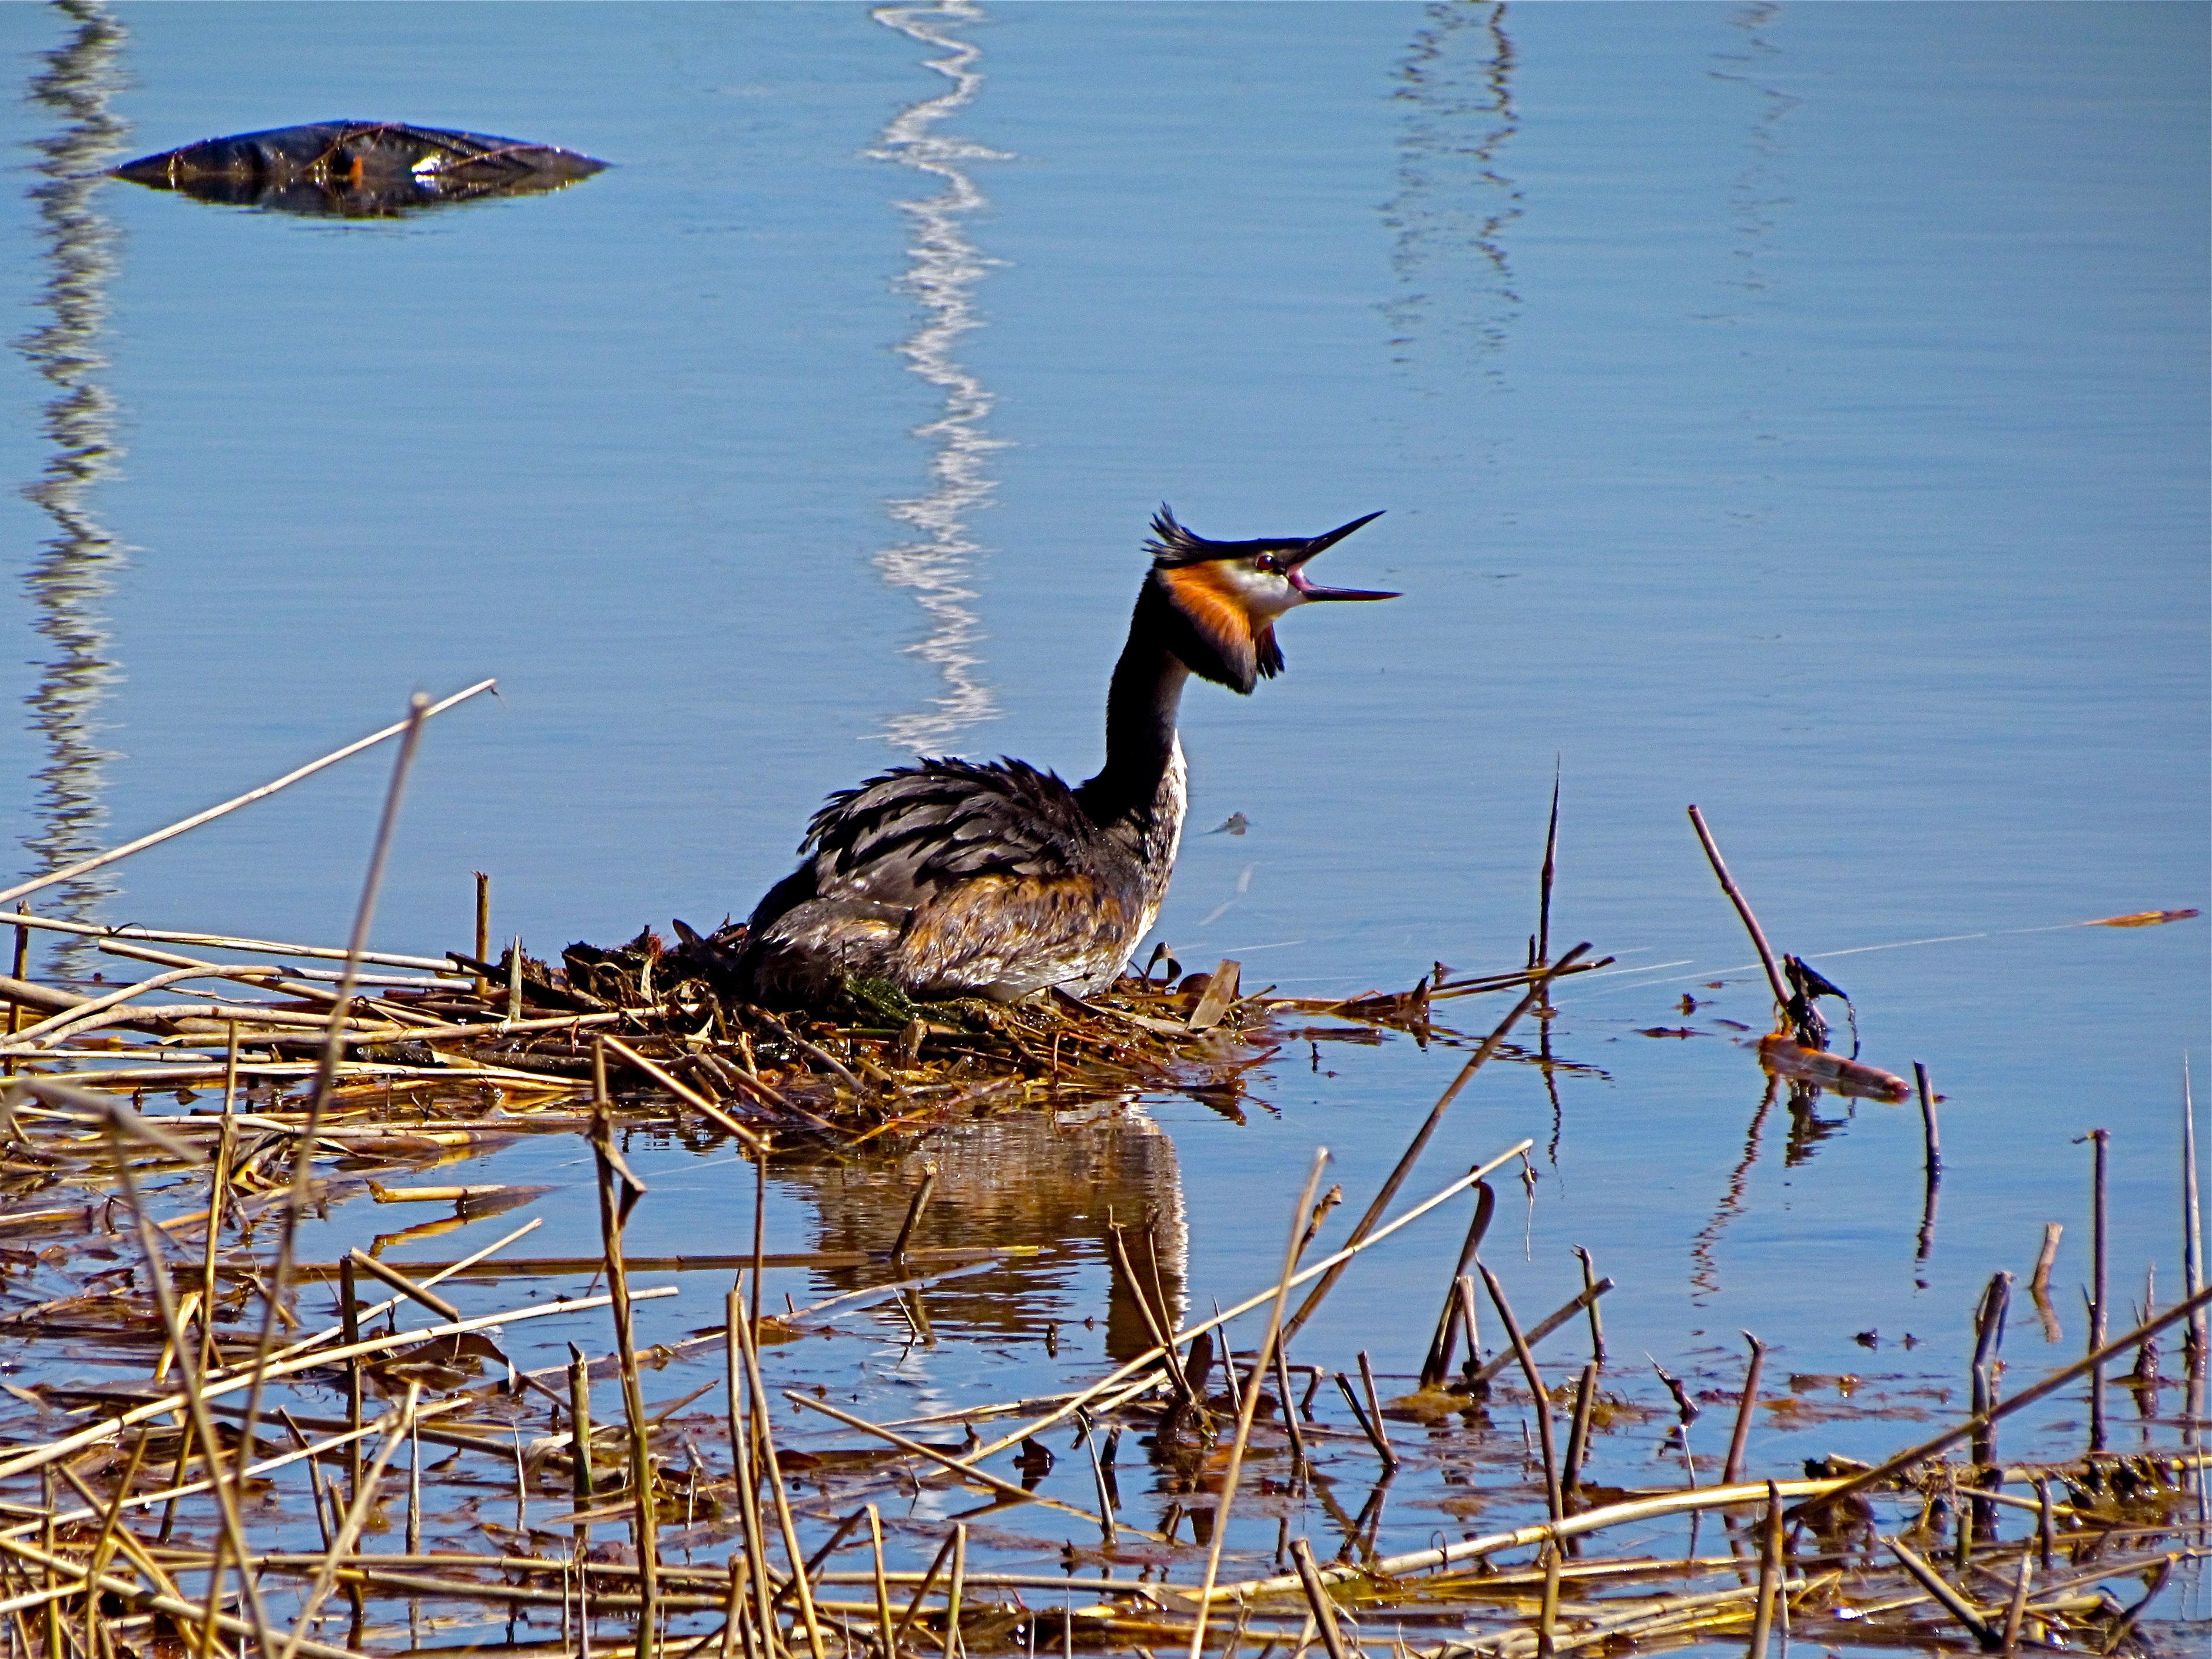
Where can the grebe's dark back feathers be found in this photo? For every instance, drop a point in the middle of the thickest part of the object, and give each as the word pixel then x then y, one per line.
pixel 948 877
pixel 945 819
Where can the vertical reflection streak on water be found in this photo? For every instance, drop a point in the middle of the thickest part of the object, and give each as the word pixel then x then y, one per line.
pixel 1704 1262
pixel 1756 197
pixel 945 269
pixel 76 567
pixel 1455 83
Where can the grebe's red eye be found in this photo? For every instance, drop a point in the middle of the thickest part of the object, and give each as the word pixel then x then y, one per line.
pixel 1266 562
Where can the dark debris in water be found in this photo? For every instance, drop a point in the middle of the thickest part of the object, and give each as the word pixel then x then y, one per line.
pixel 358 169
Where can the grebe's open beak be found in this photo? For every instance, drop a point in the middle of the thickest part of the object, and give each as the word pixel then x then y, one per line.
pixel 1295 569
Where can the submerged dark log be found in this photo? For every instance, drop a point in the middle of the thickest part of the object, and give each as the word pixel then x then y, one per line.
pixel 358 169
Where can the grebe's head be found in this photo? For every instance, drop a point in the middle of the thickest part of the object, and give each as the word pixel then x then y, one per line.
pixel 1223 598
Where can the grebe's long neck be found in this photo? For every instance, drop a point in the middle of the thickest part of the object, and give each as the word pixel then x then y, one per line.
pixel 1138 796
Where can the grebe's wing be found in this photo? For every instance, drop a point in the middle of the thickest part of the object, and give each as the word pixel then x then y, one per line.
pixel 947 878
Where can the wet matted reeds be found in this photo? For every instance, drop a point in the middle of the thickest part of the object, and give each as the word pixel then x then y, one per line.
pixel 258 1476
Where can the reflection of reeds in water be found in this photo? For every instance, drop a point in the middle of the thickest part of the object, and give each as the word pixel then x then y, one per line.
pixel 1020 1178
pixel 74 570
pixel 945 267
pixel 1453 204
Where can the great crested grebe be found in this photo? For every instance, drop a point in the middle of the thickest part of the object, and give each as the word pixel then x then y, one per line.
pixel 955 878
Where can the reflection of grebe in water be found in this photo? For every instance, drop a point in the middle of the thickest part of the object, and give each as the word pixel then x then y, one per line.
pixel 1047 1187
pixel 959 877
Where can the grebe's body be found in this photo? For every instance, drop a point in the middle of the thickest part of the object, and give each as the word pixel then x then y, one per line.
pixel 955 877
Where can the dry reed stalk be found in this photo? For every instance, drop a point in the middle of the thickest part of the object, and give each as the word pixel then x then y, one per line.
pixel 434 1273
pixel 882 1583
pixel 619 1191
pixel 1590 1521
pixel 1143 1360
pixel 955 1587
pixel 1952 1602
pixel 921 1591
pixel 1770 1573
pixel 1931 1141
pixel 746 1478
pixel 406 1286
pixel 1300 1214
pixel 412 723
pixel 1542 1328
pixel 2057 1379
pixel 1578 1433
pixel 1422 1136
pixel 399 1421
pixel 773 1474
pixel 1375 1436
pixel 2017 1608
pixel 1375 1409
pixel 1438 1365
pixel 1743 909
pixel 1597 1319
pixel 914 1212
pixel 2100 1287
pixel 706 1108
pixel 2192 1248
pixel 1553 1498
pixel 1989 1339
pixel 1290 1409
pixel 1732 1471
pixel 1310 1579
pixel 482 985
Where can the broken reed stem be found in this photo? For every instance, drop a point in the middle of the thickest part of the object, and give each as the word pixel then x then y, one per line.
pixel 1989 1339
pixel 913 1211
pixel 1770 1573
pixel 1300 1214
pixel 2192 1246
pixel 1437 1365
pixel 483 929
pixel 1931 1142
pixel 743 1469
pixel 1318 1599
pixel 954 1587
pixel 1732 1471
pixel 1571 1473
pixel 2100 1291
pixel 615 1206
pixel 1553 1498
pixel 772 1474
pixel 1413 1152
pixel 1544 877
pixel 1743 909
pixel 1597 1319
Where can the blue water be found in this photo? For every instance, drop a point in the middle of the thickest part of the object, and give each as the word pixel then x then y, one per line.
pixel 1799 410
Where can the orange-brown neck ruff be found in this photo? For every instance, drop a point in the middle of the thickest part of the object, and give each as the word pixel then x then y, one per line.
pixel 1209 598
